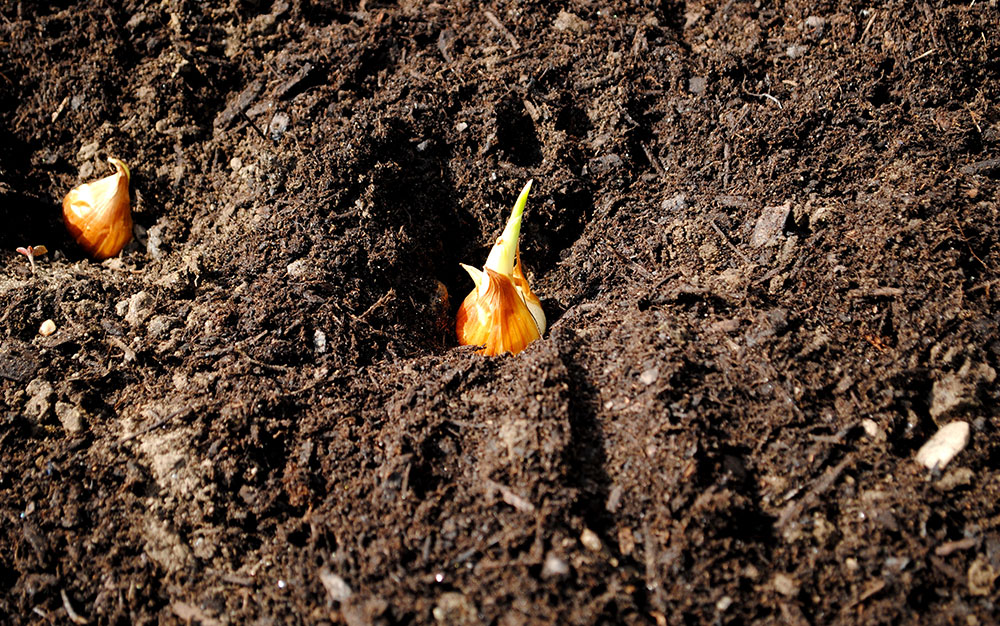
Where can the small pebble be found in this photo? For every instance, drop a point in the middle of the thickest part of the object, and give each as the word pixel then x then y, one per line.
pixel 795 50
pixel 319 341
pixel 871 428
pixel 40 402
pixel 455 609
pixel 944 445
pixel 47 328
pixel 697 84
pixel 279 125
pixel 785 585
pixel 298 268
pixel 136 309
pixel 677 202
pixel 88 151
pixel 770 225
pixel 554 567
pixel 816 24
pixel 590 540
pixel 336 587
pixel 160 325
pixel 649 376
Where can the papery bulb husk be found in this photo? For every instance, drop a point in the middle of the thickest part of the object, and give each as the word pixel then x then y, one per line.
pixel 495 316
pixel 532 301
pixel 99 214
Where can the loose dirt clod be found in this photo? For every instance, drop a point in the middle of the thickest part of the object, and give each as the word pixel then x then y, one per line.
pixel 72 418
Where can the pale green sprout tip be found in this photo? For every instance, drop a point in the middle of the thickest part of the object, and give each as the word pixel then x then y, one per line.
pixel 502 256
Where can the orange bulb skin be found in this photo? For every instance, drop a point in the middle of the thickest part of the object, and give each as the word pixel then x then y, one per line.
pixel 98 215
pixel 496 319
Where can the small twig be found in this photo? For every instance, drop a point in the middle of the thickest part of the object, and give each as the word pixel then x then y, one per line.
pixel 507 59
pixel 820 485
pixel 875 292
pixel 378 303
pixel 974 120
pixel 642 270
pixel 129 353
pixel 503 29
pixel 729 243
pixel 74 617
pixel 510 497
pixel 654 161
pixel 968 245
pixel 761 95
pixel 154 425
pixel 926 54
pixel 948 547
pixel 868 26
pixel 985 285
pixel 277 368
pixel 246 117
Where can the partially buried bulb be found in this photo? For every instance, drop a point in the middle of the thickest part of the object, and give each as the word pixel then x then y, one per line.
pixel 502 314
pixel 99 215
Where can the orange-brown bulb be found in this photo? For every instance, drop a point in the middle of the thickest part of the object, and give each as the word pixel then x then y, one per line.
pixel 99 214
pixel 501 314
pixel 495 316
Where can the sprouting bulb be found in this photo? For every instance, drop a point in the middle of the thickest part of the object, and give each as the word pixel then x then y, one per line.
pixel 502 314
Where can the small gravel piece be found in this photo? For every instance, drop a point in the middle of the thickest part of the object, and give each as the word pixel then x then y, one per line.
pixel 336 587
pixel 554 566
pixel 590 540
pixel 785 585
pixel 649 376
pixel 944 445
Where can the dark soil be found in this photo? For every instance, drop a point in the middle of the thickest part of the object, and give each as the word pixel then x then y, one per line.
pixel 765 237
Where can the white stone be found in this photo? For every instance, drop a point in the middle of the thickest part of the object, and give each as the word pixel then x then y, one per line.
pixel 871 428
pixel 590 540
pixel 944 445
pixel 554 566
pixel 319 341
pixel 335 586
pixel 47 328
